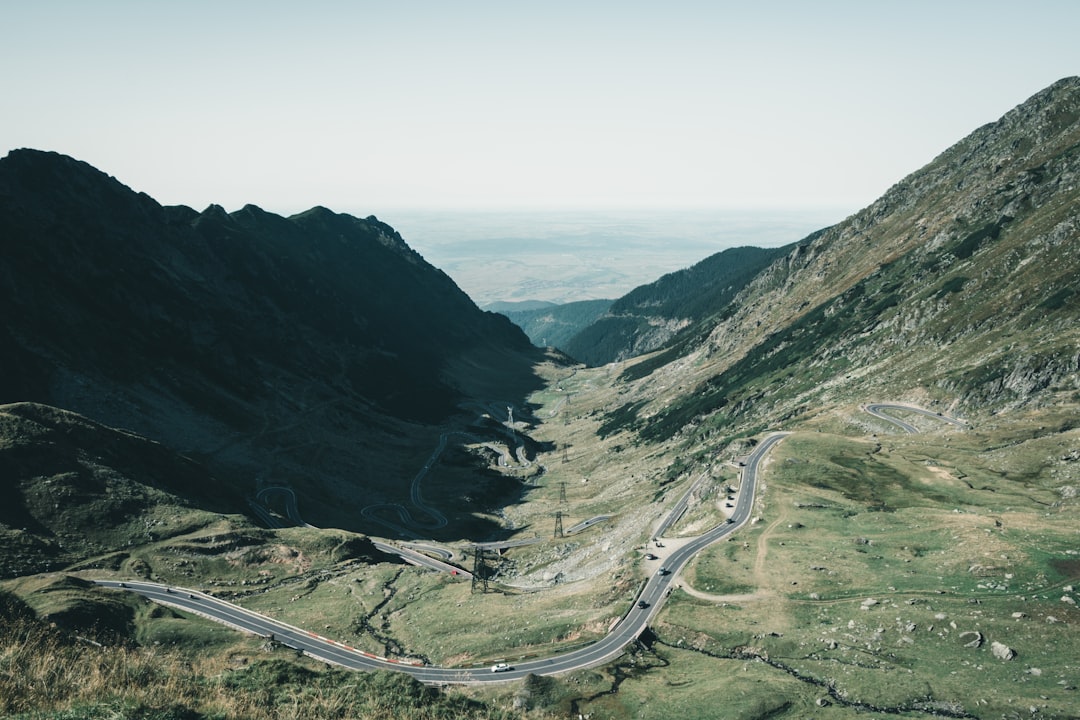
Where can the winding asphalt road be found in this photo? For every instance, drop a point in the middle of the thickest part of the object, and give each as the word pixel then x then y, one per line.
pixel 408 554
pixel 626 630
pixel 878 410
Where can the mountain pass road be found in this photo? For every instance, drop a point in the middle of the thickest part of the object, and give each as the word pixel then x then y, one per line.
pixel 604 650
pixel 878 410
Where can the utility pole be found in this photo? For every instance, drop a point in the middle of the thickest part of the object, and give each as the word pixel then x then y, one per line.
pixel 558 524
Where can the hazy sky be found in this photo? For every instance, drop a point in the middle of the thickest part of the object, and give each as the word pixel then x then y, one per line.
pixel 368 106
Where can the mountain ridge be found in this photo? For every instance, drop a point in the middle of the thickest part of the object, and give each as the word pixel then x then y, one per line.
pixel 222 333
pixel 651 316
pixel 806 326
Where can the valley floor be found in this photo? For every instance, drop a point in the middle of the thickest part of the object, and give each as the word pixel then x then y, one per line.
pixel 914 573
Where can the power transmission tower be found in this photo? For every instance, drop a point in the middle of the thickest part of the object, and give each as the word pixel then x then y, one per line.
pixel 479 572
pixel 562 491
pixel 558 524
pixel 565 455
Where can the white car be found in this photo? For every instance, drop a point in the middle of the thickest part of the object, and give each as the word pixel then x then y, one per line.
pixel 500 667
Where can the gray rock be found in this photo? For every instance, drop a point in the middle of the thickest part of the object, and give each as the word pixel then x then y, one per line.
pixel 976 638
pixel 1002 651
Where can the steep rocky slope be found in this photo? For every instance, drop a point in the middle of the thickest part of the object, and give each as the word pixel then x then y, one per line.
pixel 959 287
pixel 653 315
pixel 293 349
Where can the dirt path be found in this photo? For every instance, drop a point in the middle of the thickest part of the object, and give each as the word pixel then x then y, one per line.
pixel 745 597
pixel 759 576
pixel 763 551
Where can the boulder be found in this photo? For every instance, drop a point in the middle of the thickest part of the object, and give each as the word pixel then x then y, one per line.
pixel 976 638
pixel 1002 651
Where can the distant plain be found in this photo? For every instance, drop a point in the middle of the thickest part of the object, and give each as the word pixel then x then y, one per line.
pixel 567 255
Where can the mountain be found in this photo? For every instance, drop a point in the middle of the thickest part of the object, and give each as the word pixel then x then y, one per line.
pixel 304 349
pixel 553 325
pixel 650 316
pixel 74 488
pixel 931 572
pixel 960 287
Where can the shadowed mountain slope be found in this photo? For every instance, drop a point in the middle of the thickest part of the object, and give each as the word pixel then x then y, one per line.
pixel 73 488
pixel 553 325
pixel 293 348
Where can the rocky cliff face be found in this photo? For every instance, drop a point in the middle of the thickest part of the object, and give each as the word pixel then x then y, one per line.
pixel 294 349
pixel 961 286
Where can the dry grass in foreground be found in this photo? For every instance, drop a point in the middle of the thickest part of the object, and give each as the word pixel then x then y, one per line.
pixel 47 674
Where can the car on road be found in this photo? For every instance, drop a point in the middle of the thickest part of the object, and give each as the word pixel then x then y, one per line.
pixel 642 604
pixel 662 571
pixel 501 667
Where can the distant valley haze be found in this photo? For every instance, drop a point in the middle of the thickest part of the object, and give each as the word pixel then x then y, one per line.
pixel 565 255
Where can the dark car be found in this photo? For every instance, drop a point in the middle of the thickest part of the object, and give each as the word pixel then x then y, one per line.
pixel 642 604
